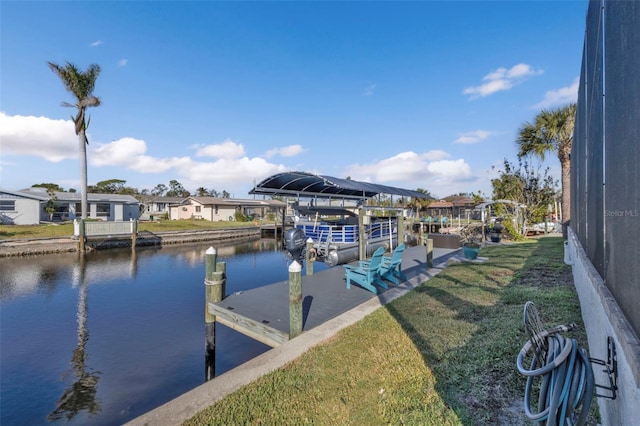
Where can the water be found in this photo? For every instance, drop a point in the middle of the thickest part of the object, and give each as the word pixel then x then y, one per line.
pixel 104 340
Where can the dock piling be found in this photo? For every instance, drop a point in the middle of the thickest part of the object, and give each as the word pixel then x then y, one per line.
pixel 295 299
pixel 310 256
pixel 214 281
pixel 429 253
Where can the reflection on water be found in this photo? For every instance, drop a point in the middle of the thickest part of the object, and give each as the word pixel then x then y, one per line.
pixel 81 393
pixel 145 319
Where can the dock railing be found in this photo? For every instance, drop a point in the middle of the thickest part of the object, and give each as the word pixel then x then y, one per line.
pixel 105 228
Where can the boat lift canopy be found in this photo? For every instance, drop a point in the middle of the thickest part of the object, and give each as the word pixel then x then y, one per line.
pixel 305 184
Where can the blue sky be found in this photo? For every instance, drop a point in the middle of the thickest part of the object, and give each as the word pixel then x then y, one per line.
pixel 423 94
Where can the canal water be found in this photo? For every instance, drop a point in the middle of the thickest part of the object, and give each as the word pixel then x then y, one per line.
pixel 103 340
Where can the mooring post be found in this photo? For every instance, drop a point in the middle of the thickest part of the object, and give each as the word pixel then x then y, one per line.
pixel 295 299
pixel 215 279
pixel 429 253
pixel 134 233
pixel 81 236
pixel 310 256
pixel 362 234
pixel 400 232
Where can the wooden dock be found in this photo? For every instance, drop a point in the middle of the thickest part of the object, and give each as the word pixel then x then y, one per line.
pixel 263 313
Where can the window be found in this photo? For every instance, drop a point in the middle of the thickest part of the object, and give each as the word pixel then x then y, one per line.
pixel 7 205
pixel 216 209
pixel 103 209
pixel 197 209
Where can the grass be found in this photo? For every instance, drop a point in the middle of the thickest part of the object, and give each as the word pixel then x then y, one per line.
pixel 66 229
pixel 444 354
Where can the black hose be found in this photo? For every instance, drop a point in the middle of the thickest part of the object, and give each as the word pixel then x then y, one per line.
pixel 564 376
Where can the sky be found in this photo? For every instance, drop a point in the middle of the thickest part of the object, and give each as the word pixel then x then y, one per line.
pixel 221 95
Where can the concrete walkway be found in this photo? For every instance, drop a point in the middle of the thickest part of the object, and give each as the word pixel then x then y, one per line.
pixel 187 405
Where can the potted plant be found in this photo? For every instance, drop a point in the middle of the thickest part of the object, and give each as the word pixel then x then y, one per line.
pixel 471 250
pixel 495 230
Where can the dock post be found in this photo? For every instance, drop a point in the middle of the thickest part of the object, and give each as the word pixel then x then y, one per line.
pixel 400 232
pixel 362 235
pixel 429 253
pixel 81 236
pixel 295 299
pixel 134 233
pixel 310 256
pixel 214 292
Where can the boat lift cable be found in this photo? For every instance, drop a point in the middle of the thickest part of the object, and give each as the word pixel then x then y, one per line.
pixel 559 371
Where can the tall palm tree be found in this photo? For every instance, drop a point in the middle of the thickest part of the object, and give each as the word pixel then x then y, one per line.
pixel 552 132
pixel 81 85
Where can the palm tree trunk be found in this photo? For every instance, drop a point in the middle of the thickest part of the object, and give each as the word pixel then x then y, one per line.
pixel 83 172
pixel 566 195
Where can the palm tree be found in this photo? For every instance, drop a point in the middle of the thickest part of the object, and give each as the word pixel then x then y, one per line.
pixel 81 85
pixel 552 132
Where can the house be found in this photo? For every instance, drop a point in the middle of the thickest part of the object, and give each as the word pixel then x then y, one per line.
pixel 439 209
pixel 223 209
pixel 154 207
pixel 19 207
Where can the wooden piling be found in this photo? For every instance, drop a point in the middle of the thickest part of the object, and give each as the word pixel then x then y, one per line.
pixel 215 282
pixel 362 234
pixel 310 256
pixel 429 253
pixel 81 236
pixel 134 233
pixel 295 299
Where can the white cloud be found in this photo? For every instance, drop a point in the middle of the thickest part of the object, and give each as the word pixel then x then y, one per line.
pixel 368 91
pixel 122 62
pixel 286 151
pixel 501 79
pixel 561 96
pixel 472 137
pixel 226 149
pixel 96 43
pixel 436 154
pixel 410 167
pixel 52 140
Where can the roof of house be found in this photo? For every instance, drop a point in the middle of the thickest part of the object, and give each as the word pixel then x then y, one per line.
pixel 440 205
pixel 20 194
pixel 76 196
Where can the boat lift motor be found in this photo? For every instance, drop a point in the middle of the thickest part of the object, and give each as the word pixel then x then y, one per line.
pixel 295 242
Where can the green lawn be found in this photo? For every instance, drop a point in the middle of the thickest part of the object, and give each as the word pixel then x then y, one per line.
pixel 444 354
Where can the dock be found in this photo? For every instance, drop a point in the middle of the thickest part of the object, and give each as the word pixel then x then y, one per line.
pixel 263 313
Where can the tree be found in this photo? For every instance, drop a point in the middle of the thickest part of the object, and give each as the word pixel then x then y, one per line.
pixel 50 186
pixel 159 190
pixel 111 186
pixel 177 190
pixel 50 205
pixel 81 85
pixel 552 132
pixel 525 185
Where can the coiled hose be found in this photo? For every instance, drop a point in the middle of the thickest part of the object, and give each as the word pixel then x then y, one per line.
pixel 565 376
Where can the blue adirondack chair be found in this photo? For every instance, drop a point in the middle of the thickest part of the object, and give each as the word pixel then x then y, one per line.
pixel 391 266
pixel 366 273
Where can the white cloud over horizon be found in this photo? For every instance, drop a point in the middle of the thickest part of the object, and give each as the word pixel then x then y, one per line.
pixel 472 137
pixel 501 79
pixel 224 165
pixel 562 96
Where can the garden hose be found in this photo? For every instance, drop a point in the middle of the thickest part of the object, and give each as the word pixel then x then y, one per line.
pixel 565 376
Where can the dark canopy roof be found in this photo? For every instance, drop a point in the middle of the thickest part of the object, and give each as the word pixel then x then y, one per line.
pixel 309 185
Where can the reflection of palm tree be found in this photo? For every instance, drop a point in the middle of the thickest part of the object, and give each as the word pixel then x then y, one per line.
pixel 81 394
